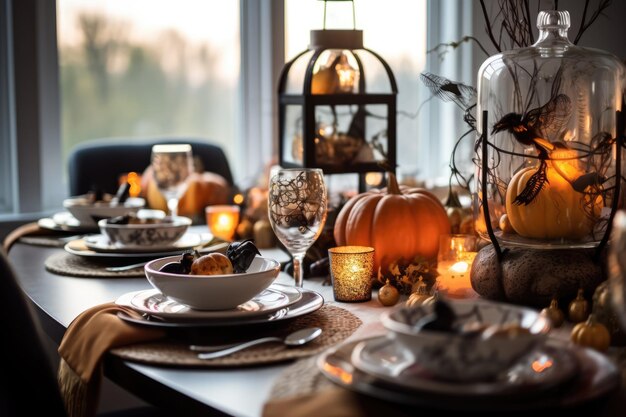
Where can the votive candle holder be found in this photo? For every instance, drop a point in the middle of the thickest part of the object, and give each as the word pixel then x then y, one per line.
pixel 352 271
pixel 222 220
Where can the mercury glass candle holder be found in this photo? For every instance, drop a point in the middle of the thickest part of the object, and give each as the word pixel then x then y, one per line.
pixel 352 271
pixel 454 263
pixel 222 220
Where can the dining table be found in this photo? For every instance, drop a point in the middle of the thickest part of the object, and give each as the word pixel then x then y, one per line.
pixel 228 391
pixel 240 391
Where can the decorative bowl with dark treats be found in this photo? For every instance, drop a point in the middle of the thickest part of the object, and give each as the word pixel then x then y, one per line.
pixel 213 281
pixel 131 231
pixel 466 340
pixel 94 206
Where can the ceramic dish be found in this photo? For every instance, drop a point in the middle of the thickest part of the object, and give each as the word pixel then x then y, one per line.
pixel 213 292
pixel 142 235
pixel 101 243
pixel 89 213
pixel 597 377
pixel 64 222
pixel 543 369
pixel 497 336
pixel 309 302
pixel 78 247
pixel 155 304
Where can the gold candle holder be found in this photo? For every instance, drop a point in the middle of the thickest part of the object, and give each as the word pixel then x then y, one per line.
pixel 351 271
pixel 222 220
pixel 454 263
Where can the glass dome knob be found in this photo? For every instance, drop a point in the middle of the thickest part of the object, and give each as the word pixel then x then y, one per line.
pixel 553 19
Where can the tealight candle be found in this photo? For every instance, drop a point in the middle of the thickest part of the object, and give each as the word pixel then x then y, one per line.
pixel 351 271
pixel 222 220
pixel 454 263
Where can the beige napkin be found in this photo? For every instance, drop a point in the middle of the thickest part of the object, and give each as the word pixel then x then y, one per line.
pixel 332 402
pixel 85 342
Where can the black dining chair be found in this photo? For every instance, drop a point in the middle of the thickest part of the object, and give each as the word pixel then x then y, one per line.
pixel 99 163
pixel 28 383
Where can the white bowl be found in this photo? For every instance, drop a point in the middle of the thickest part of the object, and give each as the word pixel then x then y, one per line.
pixel 459 356
pixel 213 292
pixel 89 213
pixel 162 233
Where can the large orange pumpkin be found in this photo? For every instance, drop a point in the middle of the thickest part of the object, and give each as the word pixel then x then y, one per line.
pixel 204 189
pixel 398 222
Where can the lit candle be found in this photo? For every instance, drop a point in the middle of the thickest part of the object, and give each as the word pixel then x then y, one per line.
pixel 456 254
pixel 352 270
pixel 347 74
pixel 222 220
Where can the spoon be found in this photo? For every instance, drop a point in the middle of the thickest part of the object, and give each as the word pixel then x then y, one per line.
pixel 297 338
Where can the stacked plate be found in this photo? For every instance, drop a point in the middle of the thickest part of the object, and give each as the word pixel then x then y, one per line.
pixel 556 375
pixel 277 302
pixel 99 246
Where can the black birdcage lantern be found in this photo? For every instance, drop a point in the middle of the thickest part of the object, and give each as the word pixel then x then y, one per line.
pixel 337 106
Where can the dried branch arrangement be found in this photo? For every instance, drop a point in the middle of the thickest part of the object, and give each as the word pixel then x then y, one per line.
pixel 511 24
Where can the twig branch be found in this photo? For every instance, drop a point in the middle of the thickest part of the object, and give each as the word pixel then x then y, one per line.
pixel 488 26
pixel 454 45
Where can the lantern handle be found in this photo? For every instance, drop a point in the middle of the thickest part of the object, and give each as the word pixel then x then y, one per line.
pixel 353 14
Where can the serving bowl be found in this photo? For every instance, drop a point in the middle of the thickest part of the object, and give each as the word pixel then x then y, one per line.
pixel 213 292
pixel 89 212
pixel 487 337
pixel 153 233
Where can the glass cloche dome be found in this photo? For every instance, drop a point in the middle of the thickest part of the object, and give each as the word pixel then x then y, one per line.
pixel 550 156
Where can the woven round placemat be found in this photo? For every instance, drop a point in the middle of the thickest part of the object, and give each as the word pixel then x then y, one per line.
pixel 51 241
pixel 64 263
pixel 336 324
pixel 301 378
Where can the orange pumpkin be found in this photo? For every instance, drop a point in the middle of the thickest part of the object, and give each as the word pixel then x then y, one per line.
pixel 398 222
pixel 556 212
pixel 204 189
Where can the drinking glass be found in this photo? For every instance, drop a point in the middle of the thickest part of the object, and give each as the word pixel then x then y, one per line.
pixel 297 211
pixel 172 165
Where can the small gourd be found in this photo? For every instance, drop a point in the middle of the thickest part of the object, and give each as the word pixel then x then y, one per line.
pixel 578 309
pixel 419 295
pixel 388 294
pixel 554 314
pixel 591 334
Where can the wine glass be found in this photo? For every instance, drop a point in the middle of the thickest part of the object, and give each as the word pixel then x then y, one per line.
pixel 297 211
pixel 172 164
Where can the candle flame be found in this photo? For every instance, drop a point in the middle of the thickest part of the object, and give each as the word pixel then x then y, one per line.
pixel 460 267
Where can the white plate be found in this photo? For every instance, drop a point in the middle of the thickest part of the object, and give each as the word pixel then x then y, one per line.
pixel 154 303
pixel 311 301
pixel 596 378
pixel 64 222
pixel 388 361
pixel 101 243
pixel 79 248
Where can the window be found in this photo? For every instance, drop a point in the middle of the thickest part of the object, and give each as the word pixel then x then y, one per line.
pixel 145 68
pixel 136 69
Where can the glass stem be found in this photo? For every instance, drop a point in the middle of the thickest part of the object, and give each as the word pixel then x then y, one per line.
pixel 172 205
pixel 297 269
